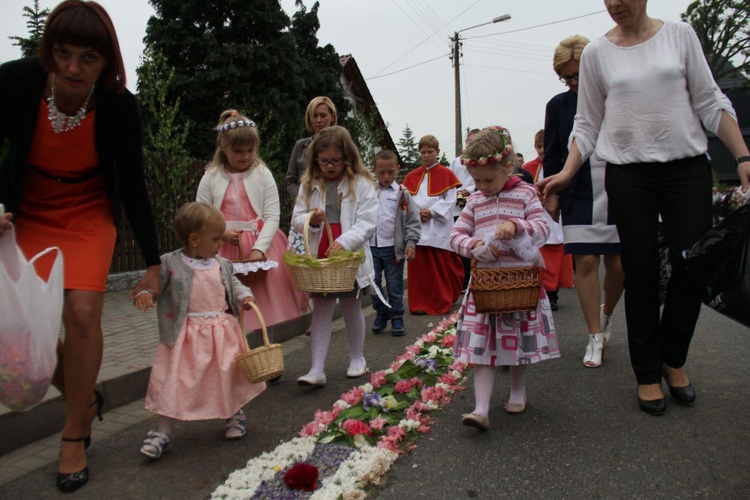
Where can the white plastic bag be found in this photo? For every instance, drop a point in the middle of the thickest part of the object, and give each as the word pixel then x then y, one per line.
pixel 30 315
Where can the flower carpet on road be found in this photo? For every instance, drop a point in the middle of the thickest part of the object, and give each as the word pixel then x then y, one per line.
pixel 344 452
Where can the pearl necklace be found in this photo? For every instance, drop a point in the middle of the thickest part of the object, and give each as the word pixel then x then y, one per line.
pixel 60 121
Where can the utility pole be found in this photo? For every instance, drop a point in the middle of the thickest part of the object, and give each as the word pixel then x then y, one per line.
pixel 456 56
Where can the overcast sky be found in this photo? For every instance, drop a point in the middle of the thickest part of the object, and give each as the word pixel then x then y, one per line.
pixel 402 48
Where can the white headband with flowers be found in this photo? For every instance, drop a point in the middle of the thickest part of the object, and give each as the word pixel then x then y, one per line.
pixel 494 157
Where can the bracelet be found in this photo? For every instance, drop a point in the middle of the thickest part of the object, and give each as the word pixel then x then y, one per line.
pixel 743 159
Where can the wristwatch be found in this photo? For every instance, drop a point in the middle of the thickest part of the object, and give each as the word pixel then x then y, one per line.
pixel 743 159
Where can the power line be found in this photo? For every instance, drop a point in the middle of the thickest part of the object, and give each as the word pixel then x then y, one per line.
pixel 536 26
pixel 408 67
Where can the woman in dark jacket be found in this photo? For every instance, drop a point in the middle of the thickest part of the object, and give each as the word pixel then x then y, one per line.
pixel 74 161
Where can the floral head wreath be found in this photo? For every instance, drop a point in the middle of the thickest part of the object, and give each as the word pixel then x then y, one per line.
pixel 234 124
pixel 494 157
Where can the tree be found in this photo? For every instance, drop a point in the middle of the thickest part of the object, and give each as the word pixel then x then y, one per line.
pixel 165 134
pixel 248 56
pixel 407 148
pixel 723 28
pixel 366 134
pixel 35 24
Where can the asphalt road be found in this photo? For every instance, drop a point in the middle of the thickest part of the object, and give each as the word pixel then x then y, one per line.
pixel 582 434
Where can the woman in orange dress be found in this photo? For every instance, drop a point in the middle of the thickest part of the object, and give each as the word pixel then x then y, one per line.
pixel 75 160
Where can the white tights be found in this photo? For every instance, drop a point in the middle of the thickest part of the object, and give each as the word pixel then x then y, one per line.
pixel 484 380
pixel 320 330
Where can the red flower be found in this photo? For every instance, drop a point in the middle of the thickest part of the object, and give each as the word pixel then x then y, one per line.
pixel 355 427
pixel 302 477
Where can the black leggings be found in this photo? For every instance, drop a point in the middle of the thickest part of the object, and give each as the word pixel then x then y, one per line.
pixel 679 191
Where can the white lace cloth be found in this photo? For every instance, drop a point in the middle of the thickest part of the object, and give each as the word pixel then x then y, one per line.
pixel 251 267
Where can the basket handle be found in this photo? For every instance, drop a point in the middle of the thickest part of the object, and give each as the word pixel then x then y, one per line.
pixel 239 245
pixel 306 232
pixel 262 326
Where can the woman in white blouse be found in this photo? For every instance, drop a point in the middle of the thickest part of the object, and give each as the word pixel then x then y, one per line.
pixel 644 89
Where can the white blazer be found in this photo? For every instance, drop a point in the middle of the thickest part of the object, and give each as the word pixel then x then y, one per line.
pixel 260 187
pixel 358 220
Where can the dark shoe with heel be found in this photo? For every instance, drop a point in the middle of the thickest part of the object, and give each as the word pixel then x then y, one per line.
pixel 99 403
pixel 70 482
pixel 653 406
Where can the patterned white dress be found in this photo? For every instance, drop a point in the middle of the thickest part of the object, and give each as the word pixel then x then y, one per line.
pixel 513 338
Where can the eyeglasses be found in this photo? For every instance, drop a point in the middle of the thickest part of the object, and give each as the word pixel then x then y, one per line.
pixel 334 162
pixel 569 78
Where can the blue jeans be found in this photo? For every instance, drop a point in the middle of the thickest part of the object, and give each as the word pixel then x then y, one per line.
pixel 383 262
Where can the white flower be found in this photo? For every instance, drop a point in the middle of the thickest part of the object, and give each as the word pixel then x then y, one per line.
pixel 366 387
pixel 342 404
pixel 409 425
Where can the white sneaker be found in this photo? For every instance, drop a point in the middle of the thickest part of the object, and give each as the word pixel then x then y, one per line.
pixel 236 426
pixel 606 323
pixel 356 368
pixel 310 380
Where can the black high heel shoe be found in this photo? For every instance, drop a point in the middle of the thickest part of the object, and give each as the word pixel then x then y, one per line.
pixel 98 414
pixel 68 483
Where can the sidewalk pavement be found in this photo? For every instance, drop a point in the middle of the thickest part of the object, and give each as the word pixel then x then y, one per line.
pixel 130 341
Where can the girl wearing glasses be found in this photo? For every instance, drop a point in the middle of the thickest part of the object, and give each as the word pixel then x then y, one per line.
pixel 589 229
pixel 340 190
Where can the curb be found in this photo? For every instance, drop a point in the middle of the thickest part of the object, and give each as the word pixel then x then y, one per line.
pixel 48 417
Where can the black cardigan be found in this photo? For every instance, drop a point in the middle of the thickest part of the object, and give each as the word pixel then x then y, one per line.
pixel 117 136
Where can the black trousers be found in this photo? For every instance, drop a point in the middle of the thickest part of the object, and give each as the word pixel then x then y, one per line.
pixel 679 191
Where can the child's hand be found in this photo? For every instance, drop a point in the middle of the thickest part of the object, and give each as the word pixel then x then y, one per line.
pixel 256 255
pixel 410 253
pixel 232 236
pixel 336 247
pixel 506 230
pixel 144 301
pixel 425 214
pixel 318 217
pixel 246 303
pixel 552 206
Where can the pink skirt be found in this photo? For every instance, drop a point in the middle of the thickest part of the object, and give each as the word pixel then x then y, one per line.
pixel 197 379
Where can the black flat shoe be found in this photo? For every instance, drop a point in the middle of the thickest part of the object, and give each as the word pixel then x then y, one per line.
pixel 68 483
pixel 99 403
pixel 684 395
pixel 653 406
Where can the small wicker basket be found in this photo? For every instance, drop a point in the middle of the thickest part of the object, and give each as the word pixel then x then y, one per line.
pixel 328 276
pixel 262 363
pixel 504 289
pixel 247 279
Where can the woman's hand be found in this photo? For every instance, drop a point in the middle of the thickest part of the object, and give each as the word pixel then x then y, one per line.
pixel 5 223
pixel 232 236
pixel 553 184
pixel 150 282
pixel 506 230
pixel 256 255
pixel 743 172
pixel 246 303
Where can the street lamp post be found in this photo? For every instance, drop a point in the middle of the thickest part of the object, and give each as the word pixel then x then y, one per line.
pixel 457 76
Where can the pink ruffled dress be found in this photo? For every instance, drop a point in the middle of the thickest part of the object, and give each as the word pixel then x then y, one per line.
pixel 275 295
pixel 197 379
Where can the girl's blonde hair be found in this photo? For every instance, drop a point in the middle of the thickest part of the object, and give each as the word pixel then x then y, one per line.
pixel 570 49
pixel 314 103
pixel 234 129
pixel 490 147
pixel 191 217
pixel 335 137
